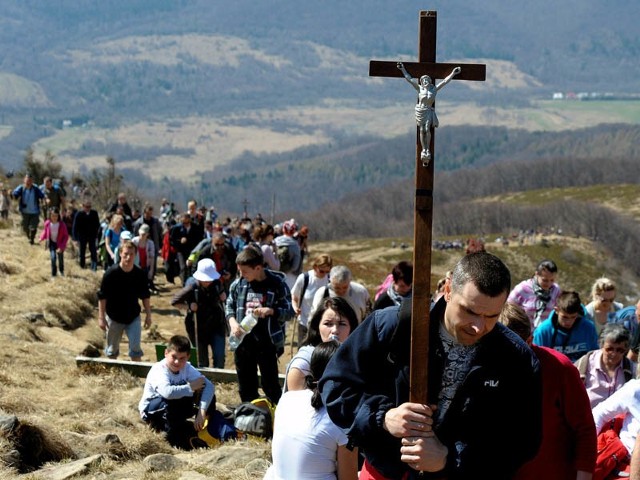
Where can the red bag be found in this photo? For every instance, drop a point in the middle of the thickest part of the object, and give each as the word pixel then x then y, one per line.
pixel 370 473
pixel 613 456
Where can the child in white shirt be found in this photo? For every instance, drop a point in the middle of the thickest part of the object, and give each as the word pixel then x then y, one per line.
pixel 170 391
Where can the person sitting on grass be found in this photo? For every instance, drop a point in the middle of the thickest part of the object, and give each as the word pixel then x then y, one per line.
pixel 171 391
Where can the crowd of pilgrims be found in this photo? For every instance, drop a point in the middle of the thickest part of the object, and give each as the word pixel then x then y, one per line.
pixel 597 337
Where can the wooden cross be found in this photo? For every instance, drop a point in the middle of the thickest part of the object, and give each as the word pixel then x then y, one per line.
pixel 245 206
pixel 423 216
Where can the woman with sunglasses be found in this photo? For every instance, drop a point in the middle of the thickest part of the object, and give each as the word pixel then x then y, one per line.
pixel 304 289
pixel 603 307
pixel 606 370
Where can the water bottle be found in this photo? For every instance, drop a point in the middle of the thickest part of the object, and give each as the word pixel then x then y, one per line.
pixel 246 325
pixel 234 341
pixel 335 338
pixel 248 322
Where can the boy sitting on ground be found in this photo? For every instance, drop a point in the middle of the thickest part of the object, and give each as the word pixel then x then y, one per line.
pixel 170 392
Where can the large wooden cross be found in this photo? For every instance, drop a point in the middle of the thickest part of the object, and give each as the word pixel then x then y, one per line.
pixel 423 215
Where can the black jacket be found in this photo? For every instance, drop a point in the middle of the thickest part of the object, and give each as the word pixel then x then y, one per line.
pixel 210 316
pixel 193 236
pixel 86 225
pixel 493 425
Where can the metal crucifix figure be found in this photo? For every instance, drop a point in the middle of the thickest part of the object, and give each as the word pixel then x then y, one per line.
pixel 426 117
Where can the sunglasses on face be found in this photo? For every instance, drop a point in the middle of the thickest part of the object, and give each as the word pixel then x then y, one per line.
pixel 615 349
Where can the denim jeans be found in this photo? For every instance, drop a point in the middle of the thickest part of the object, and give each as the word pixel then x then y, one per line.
pixel 219 349
pixel 114 337
pixel 56 256
pixel 206 339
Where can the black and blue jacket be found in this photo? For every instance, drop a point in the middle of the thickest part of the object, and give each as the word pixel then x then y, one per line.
pixel 493 425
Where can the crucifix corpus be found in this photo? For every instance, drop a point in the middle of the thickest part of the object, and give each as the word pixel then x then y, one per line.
pixel 427 70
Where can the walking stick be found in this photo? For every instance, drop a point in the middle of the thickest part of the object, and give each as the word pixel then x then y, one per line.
pixel 292 337
pixel 195 326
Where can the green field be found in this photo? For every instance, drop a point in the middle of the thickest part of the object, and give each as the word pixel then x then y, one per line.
pixel 587 113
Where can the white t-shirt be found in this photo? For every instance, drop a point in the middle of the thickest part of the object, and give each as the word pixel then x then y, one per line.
pixel 162 382
pixel 357 296
pixel 307 301
pixel 54 228
pixel 625 401
pixel 305 441
pixel 301 361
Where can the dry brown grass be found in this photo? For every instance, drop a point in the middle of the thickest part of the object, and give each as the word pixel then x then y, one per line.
pixel 44 324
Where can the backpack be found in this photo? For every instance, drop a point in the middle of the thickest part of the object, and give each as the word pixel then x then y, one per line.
pixel 286 258
pixel 215 431
pixel 612 454
pixel 255 418
pixel 582 364
pixel 305 285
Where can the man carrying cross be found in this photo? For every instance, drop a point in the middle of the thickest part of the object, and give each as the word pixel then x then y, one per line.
pixel 483 415
pixel 447 391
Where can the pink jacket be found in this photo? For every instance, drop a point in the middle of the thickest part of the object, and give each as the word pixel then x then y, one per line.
pixel 63 234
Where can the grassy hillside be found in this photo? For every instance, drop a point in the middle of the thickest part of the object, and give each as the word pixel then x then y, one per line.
pixel 45 323
pixel 579 260
pixel 624 199
pixel 205 142
pixel 124 63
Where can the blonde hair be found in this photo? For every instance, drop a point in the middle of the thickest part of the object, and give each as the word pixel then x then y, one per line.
pixel 322 260
pixel 601 285
pixel 115 219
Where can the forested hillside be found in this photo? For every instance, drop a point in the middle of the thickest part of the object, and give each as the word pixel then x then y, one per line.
pixel 463 204
pixel 112 63
pixel 306 178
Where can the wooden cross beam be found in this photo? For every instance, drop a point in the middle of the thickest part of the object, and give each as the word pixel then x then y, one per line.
pixel 423 216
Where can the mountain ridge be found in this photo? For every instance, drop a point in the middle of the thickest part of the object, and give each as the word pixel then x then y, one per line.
pixel 241 83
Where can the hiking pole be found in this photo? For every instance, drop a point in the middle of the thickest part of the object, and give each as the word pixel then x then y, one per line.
pixel 292 337
pixel 195 325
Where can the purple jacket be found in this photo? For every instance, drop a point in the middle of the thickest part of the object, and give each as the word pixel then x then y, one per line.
pixel 524 296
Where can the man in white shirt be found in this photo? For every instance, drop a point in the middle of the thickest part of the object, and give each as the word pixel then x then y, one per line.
pixel 625 401
pixel 341 285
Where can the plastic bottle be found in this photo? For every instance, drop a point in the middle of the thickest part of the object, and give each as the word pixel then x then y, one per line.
pixel 248 322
